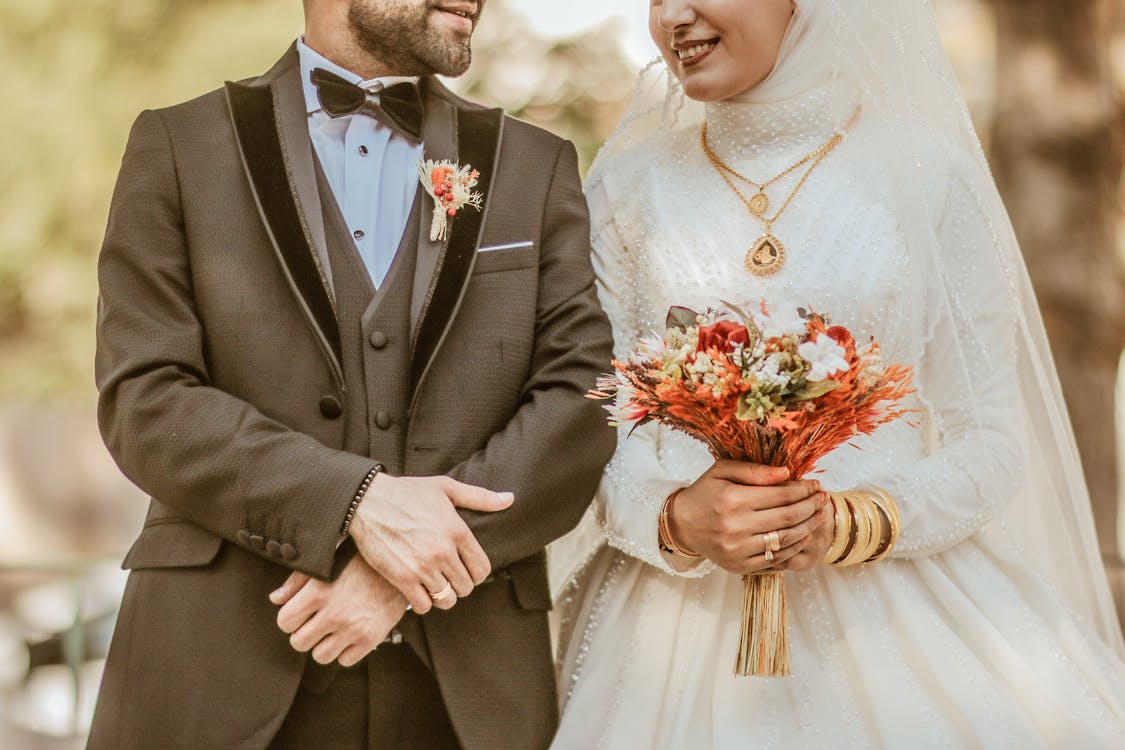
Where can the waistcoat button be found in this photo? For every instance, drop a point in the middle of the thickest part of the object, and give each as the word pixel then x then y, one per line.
pixel 331 407
pixel 383 420
pixel 378 339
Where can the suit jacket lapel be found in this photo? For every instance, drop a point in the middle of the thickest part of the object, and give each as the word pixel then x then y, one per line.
pixel 277 157
pixel 477 134
pixel 297 150
pixel 439 141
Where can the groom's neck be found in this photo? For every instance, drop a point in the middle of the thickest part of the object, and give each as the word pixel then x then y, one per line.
pixel 332 37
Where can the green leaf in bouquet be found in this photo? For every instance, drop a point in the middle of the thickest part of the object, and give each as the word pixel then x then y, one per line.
pixel 754 407
pixel 815 390
pixel 681 318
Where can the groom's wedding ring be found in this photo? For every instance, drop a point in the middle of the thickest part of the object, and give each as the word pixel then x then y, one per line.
pixel 444 594
pixel 773 541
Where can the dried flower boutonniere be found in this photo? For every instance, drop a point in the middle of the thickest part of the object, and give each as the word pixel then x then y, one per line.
pixel 451 187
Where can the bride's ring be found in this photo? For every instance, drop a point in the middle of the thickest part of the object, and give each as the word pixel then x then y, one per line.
pixel 444 594
pixel 773 542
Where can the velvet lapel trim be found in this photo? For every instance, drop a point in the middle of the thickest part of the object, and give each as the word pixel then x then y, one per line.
pixel 478 144
pixel 254 116
pixel 439 139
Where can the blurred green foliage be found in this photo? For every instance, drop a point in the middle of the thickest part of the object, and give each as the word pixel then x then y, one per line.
pixel 77 74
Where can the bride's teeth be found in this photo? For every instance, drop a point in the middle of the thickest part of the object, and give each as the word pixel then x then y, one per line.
pixel 698 49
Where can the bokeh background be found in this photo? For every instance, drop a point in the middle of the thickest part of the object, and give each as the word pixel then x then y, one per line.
pixel 1044 79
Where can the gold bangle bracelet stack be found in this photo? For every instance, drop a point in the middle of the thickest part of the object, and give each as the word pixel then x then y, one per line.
pixel 664 532
pixel 868 524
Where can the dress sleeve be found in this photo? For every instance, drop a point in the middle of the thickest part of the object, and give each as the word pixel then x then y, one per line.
pixel 637 481
pixel 968 388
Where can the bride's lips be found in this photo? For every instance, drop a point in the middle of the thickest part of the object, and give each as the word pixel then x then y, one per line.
pixel 695 51
pixel 459 15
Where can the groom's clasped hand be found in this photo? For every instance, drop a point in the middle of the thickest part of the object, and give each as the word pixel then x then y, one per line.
pixel 415 551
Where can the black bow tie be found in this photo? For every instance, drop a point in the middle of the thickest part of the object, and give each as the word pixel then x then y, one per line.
pixel 399 106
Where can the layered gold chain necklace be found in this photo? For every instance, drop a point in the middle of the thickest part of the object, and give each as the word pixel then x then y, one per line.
pixel 767 255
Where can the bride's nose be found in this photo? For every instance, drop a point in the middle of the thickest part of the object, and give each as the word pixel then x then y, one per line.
pixel 676 13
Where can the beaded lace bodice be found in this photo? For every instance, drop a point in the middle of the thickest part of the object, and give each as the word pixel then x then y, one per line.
pixel 675 234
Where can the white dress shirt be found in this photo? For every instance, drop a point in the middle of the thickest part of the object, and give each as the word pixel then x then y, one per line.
pixel 370 167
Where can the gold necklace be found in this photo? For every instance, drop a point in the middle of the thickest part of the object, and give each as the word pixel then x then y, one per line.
pixel 767 255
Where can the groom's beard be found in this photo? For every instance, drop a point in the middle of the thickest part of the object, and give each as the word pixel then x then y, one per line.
pixel 401 34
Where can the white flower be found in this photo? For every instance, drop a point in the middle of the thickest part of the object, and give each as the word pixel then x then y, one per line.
pixel 702 365
pixel 769 371
pixel 824 356
pixel 779 325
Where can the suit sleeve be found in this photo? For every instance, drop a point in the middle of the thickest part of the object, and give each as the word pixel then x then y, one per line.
pixel 552 452
pixel 209 457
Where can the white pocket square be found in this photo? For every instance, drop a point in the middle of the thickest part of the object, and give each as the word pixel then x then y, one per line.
pixel 509 246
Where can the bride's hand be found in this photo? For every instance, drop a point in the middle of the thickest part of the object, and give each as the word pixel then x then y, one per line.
pixel 725 514
pixel 816 548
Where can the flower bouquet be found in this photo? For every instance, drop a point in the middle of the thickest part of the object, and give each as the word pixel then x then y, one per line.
pixel 780 390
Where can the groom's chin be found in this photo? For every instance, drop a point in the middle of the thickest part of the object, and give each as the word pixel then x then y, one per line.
pixel 454 63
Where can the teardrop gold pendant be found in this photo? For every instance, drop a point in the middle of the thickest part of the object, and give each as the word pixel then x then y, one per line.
pixel 766 257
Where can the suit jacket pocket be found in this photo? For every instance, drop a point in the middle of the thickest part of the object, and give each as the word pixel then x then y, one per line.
pixel 508 259
pixel 172 544
pixel 529 582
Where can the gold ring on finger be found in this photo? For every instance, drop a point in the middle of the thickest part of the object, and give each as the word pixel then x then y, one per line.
pixel 444 594
pixel 772 540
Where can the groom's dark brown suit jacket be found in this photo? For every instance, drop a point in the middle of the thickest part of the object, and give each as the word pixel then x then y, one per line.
pixel 223 395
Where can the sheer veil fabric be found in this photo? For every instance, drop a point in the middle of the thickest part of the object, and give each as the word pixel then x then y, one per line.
pixel 900 235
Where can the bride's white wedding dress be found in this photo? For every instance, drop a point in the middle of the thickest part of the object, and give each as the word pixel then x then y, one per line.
pixel 988 626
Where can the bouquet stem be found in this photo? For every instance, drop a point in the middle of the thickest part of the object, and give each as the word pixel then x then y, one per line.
pixel 763 646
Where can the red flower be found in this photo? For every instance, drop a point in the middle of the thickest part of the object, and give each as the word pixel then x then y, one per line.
pixel 722 336
pixel 844 338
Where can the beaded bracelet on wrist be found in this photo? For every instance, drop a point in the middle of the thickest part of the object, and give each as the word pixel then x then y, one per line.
pixel 367 480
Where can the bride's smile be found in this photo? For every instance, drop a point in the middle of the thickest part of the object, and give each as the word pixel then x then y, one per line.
pixel 719 48
pixel 691 53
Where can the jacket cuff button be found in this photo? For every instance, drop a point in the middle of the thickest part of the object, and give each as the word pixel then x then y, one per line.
pixel 273 548
pixel 243 537
pixel 288 551
pixel 257 541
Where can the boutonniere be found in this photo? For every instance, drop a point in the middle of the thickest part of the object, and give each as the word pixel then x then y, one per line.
pixel 451 187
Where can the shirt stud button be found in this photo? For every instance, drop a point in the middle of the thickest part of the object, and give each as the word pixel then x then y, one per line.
pixel 363 150
pixel 358 234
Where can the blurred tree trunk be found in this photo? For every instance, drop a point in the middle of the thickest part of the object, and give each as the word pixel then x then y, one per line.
pixel 1058 162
